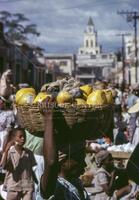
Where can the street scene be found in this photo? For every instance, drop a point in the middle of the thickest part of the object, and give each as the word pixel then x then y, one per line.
pixel 69 100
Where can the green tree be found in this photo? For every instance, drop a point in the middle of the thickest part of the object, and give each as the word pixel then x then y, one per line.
pixel 17 26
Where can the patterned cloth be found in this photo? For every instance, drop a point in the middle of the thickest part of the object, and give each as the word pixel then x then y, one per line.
pixel 67 191
pixel 102 177
pixel 6 119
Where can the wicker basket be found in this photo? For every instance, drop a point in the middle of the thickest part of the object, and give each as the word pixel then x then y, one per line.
pixel 30 118
pixel 76 121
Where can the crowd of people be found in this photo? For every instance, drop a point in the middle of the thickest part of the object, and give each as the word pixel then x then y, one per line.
pixel 37 168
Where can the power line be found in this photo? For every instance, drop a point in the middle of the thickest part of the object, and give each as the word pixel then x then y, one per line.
pixel 12 1
pixel 73 7
pixel 82 5
pixel 128 23
pixel 123 54
pixel 133 16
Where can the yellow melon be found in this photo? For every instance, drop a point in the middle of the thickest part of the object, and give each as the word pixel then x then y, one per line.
pixel 40 97
pixel 97 97
pixel 80 101
pixel 27 98
pixel 87 89
pixel 64 97
pixel 22 92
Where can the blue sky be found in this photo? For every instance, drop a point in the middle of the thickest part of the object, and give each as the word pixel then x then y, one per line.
pixel 62 22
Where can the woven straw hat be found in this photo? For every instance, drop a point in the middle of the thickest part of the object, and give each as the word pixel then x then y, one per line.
pixel 134 108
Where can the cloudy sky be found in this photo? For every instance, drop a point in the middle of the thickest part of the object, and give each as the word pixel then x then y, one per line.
pixel 62 22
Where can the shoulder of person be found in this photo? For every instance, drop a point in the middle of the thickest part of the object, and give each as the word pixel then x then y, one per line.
pixel 102 171
pixel 9 113
pixel 28 151
pixel 12 149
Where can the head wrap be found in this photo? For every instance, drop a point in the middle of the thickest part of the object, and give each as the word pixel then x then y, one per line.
pixel 101 156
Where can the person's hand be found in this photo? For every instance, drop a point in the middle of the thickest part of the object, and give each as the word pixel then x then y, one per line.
pixel 47 106
pixel 61 156
pixel 93 147
pixel 113 173
pixel 137 195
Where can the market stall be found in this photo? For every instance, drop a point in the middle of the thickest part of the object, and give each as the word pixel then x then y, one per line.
pixel 120 155
pixel 123 151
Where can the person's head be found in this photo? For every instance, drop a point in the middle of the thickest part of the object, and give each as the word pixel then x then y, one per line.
pixel 74 163
pixel 19 136
pixel 104 158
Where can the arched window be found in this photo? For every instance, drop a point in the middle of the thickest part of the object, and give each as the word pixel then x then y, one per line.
pixel 86 43
pixel 91 43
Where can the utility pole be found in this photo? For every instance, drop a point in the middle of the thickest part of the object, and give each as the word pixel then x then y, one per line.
pixel 123 55
pixel 133 15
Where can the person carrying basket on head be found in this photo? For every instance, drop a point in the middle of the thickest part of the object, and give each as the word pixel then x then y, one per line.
pixel 60 180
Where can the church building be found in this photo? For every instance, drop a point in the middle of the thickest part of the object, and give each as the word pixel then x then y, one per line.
pixel 92 64
pixel 90 40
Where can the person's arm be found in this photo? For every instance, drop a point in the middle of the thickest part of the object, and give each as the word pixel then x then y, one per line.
pixel 49 178
pixel 4 158
pixel 123 191
pixel 107 186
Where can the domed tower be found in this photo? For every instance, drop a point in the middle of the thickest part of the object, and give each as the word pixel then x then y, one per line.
pixel 90 40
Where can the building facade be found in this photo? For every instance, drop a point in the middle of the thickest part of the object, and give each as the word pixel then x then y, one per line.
pixel 59 66
pixel 92 63
pixel 21 57
pixel 130 59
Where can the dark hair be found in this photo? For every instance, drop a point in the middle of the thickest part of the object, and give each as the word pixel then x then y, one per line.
pixel 12 134
pixel 14 131
pixel 75 150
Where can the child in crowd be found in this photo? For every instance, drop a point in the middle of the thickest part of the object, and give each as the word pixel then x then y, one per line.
pixel 105 185
pixel 18 162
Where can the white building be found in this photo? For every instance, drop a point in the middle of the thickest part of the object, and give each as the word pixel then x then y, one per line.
pixel 92 64
pixel 130 48
pixel 130 58
pixel 90 40
pixel 60 65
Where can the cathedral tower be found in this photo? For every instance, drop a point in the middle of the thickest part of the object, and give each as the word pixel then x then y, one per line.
pixel 90 40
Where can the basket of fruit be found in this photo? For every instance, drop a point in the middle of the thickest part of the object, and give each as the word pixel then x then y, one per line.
pixel 79 111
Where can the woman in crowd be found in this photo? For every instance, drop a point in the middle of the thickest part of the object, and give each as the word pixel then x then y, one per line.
pixel 135 110
pixel 105 185
pixel 60 180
